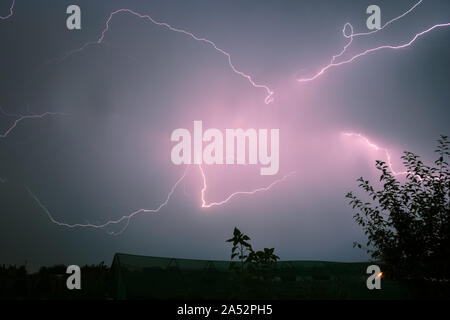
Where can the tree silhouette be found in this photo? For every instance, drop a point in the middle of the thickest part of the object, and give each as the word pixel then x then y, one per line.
pixel 408 223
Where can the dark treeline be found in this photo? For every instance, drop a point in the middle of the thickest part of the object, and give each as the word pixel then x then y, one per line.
pixel 50 283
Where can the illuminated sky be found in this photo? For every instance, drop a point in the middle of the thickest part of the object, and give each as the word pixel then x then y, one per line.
pixel 109 153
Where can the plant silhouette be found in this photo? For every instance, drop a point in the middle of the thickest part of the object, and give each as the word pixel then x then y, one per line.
pixel 253 270
pixel 408 223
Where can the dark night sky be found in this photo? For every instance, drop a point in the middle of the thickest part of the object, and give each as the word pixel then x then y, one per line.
pixel 110 153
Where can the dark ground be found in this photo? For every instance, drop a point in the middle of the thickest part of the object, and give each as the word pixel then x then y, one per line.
pixel 307 280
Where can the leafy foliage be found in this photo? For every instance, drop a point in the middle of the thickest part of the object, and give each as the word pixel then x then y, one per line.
pixel 241 250
pixel 408 224
pixel 253 269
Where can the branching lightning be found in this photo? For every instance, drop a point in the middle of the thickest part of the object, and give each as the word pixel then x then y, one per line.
pixel 269 92
pixel 335 61
pixel 125 219
pixel 377 148
pixel 11 11
pixel 237 193
pixel 352 35
pixel 20 118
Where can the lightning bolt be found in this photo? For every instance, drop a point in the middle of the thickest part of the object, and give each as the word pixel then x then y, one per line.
pixel 269 92
pixel 377 148
pixel 353 35
pixel 234 194
pixel 333 64
pixel 21 118
pixel 386 24
pixel 11 11
pixel 18 119
pixel 128 217
pixel 125 219
pixel 269 98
